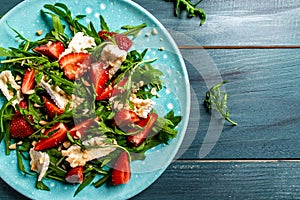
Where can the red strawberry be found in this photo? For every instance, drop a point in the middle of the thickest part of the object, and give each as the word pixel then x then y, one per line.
pixel 75 175
pixel 82 127
pixel 99 77
pixel 122 40
pixel 28 81
pixel 105 35
pixel 118 88
pixel 51 108
pixel 147 125
pixel 106 93
pixel 19 127
pixel 59 135
pixel 51 49
pixel 75 64
pixel 121 171
pixel 23 104
pixel 126 117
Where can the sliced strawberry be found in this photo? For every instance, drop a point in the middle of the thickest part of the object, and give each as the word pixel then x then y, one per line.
pixel 75 65
pixel 51 108
pixel 28 82
pixel 106 93
pixel 59 135
pixel 105 35
pixel 121 171
pixel 82 127
pixel 19 127
pixel 51 49
pixel 23 104
pixel 99 77
pixel 126 117
pixel 118 88
pixel 146 124
pixel 122 40
pixel 110 90
pixel 75 175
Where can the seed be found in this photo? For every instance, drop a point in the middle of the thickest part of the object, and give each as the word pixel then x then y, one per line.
pixel 34 143
pixel 39 32
pixel 36 105
pixel 42 122
pixel 18 78
pixel 13 146
pixel 86 83
pixel 78 134
pixel 43 130
pixel 154 31
pixel 66 144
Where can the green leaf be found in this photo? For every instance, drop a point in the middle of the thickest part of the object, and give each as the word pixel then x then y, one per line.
pixel 41 186
pixel 133 30
pixel 102 180
pixel 190 8
pixel 217 100
pixel 20 162
pixel 103 24
pixel 5 52
pixel 87 180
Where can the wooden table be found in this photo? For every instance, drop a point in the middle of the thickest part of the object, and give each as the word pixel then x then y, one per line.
pixel 255 46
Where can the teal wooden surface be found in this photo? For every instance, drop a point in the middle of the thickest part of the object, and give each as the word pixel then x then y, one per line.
pixel 233 22
pixel 263 88
pixel 258 159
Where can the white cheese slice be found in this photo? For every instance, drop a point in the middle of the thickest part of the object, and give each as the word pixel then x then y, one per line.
pixel 79 43
pixel 96 147
pixel 112 56
pixel 60 98
pixel 39 162
pixel 142 107
pixel 6 78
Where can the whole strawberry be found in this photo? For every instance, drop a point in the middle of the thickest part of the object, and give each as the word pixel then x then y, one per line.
pixel 19 127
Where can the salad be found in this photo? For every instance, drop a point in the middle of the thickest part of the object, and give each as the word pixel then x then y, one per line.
pixel 80 102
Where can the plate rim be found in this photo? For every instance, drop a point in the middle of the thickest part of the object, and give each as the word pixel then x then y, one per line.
pixel 187 108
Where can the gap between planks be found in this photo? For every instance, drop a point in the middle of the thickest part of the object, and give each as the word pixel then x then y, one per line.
pixel 239 160
pixel 242 47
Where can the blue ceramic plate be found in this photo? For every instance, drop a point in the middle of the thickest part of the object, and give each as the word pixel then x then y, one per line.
pixel 26 18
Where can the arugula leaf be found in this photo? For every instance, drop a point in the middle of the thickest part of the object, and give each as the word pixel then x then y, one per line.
pixel 75 26
pixel 20 162
pixel 102 180
pixel 133 30
pixel 190 8
pixel 87 180
pixel 217 100
pixel 103 24
pixel 42 186
pixel 5 52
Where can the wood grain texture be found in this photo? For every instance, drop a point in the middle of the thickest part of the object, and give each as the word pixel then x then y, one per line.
pixel 230 180
pixel 263 88
pixel 232 22
pixel 255 46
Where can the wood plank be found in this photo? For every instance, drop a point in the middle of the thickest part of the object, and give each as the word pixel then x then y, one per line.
pixel 233 22
pixel 6 5
pixel 217 179
pixel 263 88
pixel 236 23
pixel 226 180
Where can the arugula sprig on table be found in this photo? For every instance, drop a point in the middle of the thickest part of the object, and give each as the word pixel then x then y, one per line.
pixel 190 8
pixel 215 99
